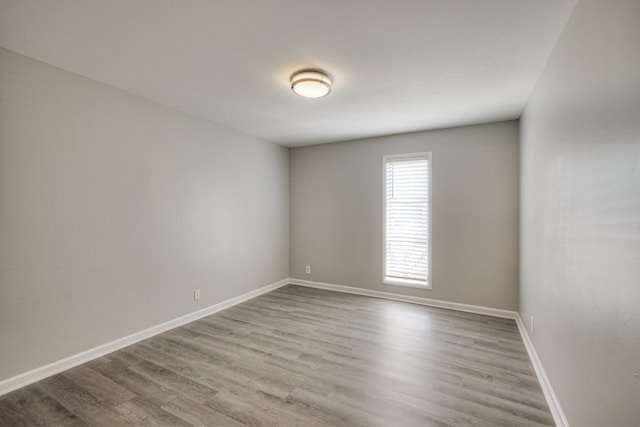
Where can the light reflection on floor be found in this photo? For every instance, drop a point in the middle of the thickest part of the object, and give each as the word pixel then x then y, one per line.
pixel 406 329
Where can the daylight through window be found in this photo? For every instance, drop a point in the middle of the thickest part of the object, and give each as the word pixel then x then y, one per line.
pixel 407 205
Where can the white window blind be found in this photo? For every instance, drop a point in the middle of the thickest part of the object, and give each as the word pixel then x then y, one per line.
pixel 407 210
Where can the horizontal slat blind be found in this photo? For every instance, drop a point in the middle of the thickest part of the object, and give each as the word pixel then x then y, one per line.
pixel 407 218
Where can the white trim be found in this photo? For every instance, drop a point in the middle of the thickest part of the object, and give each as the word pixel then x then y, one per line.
pixel 42 372
pixel 477 309
pixel 409 283
pixel 428 156
pixel 552 400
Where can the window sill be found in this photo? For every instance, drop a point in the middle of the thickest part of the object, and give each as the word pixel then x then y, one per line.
pixel 406 282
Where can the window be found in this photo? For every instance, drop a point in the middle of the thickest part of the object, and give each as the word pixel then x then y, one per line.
pixel 407 227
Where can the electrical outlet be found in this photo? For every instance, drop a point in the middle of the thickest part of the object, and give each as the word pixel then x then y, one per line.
pixel 308 269
pixel 196 295
pixel 531 325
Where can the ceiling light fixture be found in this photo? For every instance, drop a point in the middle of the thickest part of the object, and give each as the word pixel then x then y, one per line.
pixel 310 83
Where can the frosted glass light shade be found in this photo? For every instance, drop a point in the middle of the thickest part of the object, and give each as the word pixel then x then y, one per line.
pixel 310 84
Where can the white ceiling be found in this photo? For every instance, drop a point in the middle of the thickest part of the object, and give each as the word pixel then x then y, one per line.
pixel 398 66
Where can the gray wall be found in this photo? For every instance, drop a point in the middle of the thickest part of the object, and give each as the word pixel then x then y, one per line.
pixel 336 213
pixel 580 265
pixel 114 209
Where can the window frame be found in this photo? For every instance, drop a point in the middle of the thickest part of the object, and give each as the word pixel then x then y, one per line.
pixel 395 281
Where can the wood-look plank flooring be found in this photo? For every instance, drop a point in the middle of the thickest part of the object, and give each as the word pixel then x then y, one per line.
pixel 307 357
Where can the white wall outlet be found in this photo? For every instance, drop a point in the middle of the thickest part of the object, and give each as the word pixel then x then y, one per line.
pixel 308 269
pixel 196 295
pixel 531 325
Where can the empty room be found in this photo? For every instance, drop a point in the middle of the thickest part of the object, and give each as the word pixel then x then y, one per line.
pixel 297 213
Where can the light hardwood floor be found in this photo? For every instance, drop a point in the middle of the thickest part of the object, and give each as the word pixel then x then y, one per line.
pixel 301 356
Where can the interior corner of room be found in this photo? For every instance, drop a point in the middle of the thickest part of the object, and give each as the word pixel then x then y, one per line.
pixel 126 213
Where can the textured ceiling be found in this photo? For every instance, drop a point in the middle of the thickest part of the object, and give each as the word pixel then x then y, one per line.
pixel 398 66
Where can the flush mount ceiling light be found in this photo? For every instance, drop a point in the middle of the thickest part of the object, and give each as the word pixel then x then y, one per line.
pixel 310 83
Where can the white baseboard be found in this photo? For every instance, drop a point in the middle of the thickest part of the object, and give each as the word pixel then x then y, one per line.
pixel 42 372
pixel 552 399
pixel 477 309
